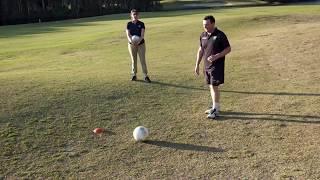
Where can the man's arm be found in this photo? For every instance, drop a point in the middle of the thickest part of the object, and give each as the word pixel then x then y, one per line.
pixel 199 58
pixel 219 55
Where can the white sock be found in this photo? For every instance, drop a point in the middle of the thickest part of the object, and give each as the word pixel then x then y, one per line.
pixel 216 106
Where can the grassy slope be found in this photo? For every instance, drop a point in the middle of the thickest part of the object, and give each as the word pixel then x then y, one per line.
pixel 59 80
pixel 205 4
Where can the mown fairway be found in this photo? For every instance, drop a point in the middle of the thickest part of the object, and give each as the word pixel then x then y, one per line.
pixel 60 80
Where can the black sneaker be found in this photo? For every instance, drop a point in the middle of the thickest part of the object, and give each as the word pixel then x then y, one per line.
pixel 147 79
pixel 134 78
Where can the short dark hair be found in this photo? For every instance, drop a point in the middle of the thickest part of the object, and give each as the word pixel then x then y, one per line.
pixel 134 11
pixel 211 18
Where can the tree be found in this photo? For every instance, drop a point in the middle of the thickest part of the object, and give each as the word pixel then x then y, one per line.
pixel 3 12
pixel 25 11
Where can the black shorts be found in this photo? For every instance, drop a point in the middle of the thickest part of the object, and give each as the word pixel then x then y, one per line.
pixel 215 75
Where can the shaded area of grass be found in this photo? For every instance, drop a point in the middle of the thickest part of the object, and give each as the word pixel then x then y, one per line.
pixel 273 93
pixel 182 146
pixel 271 117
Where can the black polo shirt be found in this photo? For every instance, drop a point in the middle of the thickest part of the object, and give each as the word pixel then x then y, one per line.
pixel 213 44
pixel 135 28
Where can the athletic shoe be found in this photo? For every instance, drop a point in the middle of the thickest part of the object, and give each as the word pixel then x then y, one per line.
pixel 134 78
pixel 212 116
pixel 210 111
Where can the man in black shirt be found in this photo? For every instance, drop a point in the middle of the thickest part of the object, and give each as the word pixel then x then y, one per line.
pixel 214 46
pixel 137 28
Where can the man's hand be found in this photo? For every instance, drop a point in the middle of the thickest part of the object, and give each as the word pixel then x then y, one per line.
pixel 196 70
pixel 135 43
pixel 213 58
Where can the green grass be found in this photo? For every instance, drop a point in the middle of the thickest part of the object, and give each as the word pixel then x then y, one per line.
pixel 60 80
pixel 206 4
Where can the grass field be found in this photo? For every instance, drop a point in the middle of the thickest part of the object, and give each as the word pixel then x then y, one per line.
pixel 60 80
pixel 198 4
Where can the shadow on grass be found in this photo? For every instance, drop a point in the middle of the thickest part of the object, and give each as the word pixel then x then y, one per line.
pixel 40 28
pixel 270 117
pixel 175 85
pixel 181 146
pixel 108 132
pixel 272 93
pixel 229 91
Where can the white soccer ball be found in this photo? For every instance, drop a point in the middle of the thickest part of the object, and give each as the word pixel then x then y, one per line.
pixel 135 39
pixel 140 133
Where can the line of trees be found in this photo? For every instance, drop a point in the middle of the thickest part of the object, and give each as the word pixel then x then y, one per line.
pixel 289 1
pixel 26 11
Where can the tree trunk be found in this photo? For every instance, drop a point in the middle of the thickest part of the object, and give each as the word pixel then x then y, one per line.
pixel 28 8
pixel 43 5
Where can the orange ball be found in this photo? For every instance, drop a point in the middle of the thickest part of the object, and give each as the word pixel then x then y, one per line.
pixel 98 130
